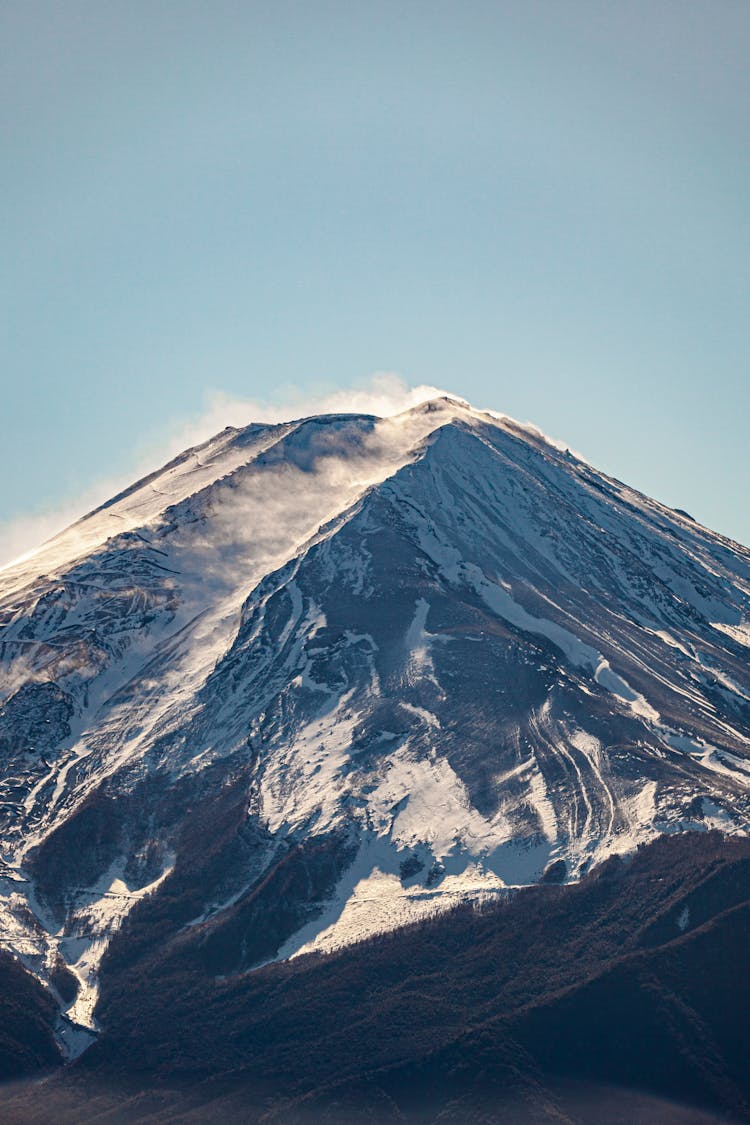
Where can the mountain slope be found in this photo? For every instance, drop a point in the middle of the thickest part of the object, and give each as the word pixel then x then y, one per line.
pixel 312 681
pixel 619 999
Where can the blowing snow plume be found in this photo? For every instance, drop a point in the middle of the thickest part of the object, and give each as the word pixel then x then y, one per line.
pixel 383 395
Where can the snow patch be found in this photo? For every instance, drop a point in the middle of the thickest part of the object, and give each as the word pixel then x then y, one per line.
pixel 371 899
pixel 739 633
pixel 84 940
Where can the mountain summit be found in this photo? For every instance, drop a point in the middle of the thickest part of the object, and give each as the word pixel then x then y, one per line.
pixel 311 681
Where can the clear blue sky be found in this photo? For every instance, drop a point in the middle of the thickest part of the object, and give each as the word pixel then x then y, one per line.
pixel 541 206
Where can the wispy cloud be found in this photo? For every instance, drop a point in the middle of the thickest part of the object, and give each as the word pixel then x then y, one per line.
pixel 20 535
pixel 384 394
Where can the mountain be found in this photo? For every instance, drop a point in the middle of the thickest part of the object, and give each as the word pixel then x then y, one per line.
pixel 311 682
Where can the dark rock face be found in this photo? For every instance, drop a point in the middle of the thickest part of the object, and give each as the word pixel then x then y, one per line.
pixel 556 872
pixel 313 682
pixel 34 721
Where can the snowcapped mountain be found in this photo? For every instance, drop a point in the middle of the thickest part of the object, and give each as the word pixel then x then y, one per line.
pixel 311 681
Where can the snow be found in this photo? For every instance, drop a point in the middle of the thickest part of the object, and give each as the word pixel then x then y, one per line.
pixel 739 633
pixel 20 930
pixel 73 1038
pixel 591 749
pixel 419 642
pixel 580 654
pixel 271 498
pixel 539 799
pixel 305 778
pixel 708 756
pixel 673 642
pixel 609 679
pixel 35 938
pixel 371 899
pixel 142 639
pixel 501 602
pixel 715 816
pixel 639 813
pixel 193 470
pixel 433 808
pixel 92 924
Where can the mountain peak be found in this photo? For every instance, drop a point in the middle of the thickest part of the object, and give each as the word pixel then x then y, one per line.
pixel 442 402
pixel 415 660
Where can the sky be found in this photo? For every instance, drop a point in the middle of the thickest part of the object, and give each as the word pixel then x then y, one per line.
pixel 214 209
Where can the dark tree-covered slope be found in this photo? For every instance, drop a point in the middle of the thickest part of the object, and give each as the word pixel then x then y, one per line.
pixel 633 981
